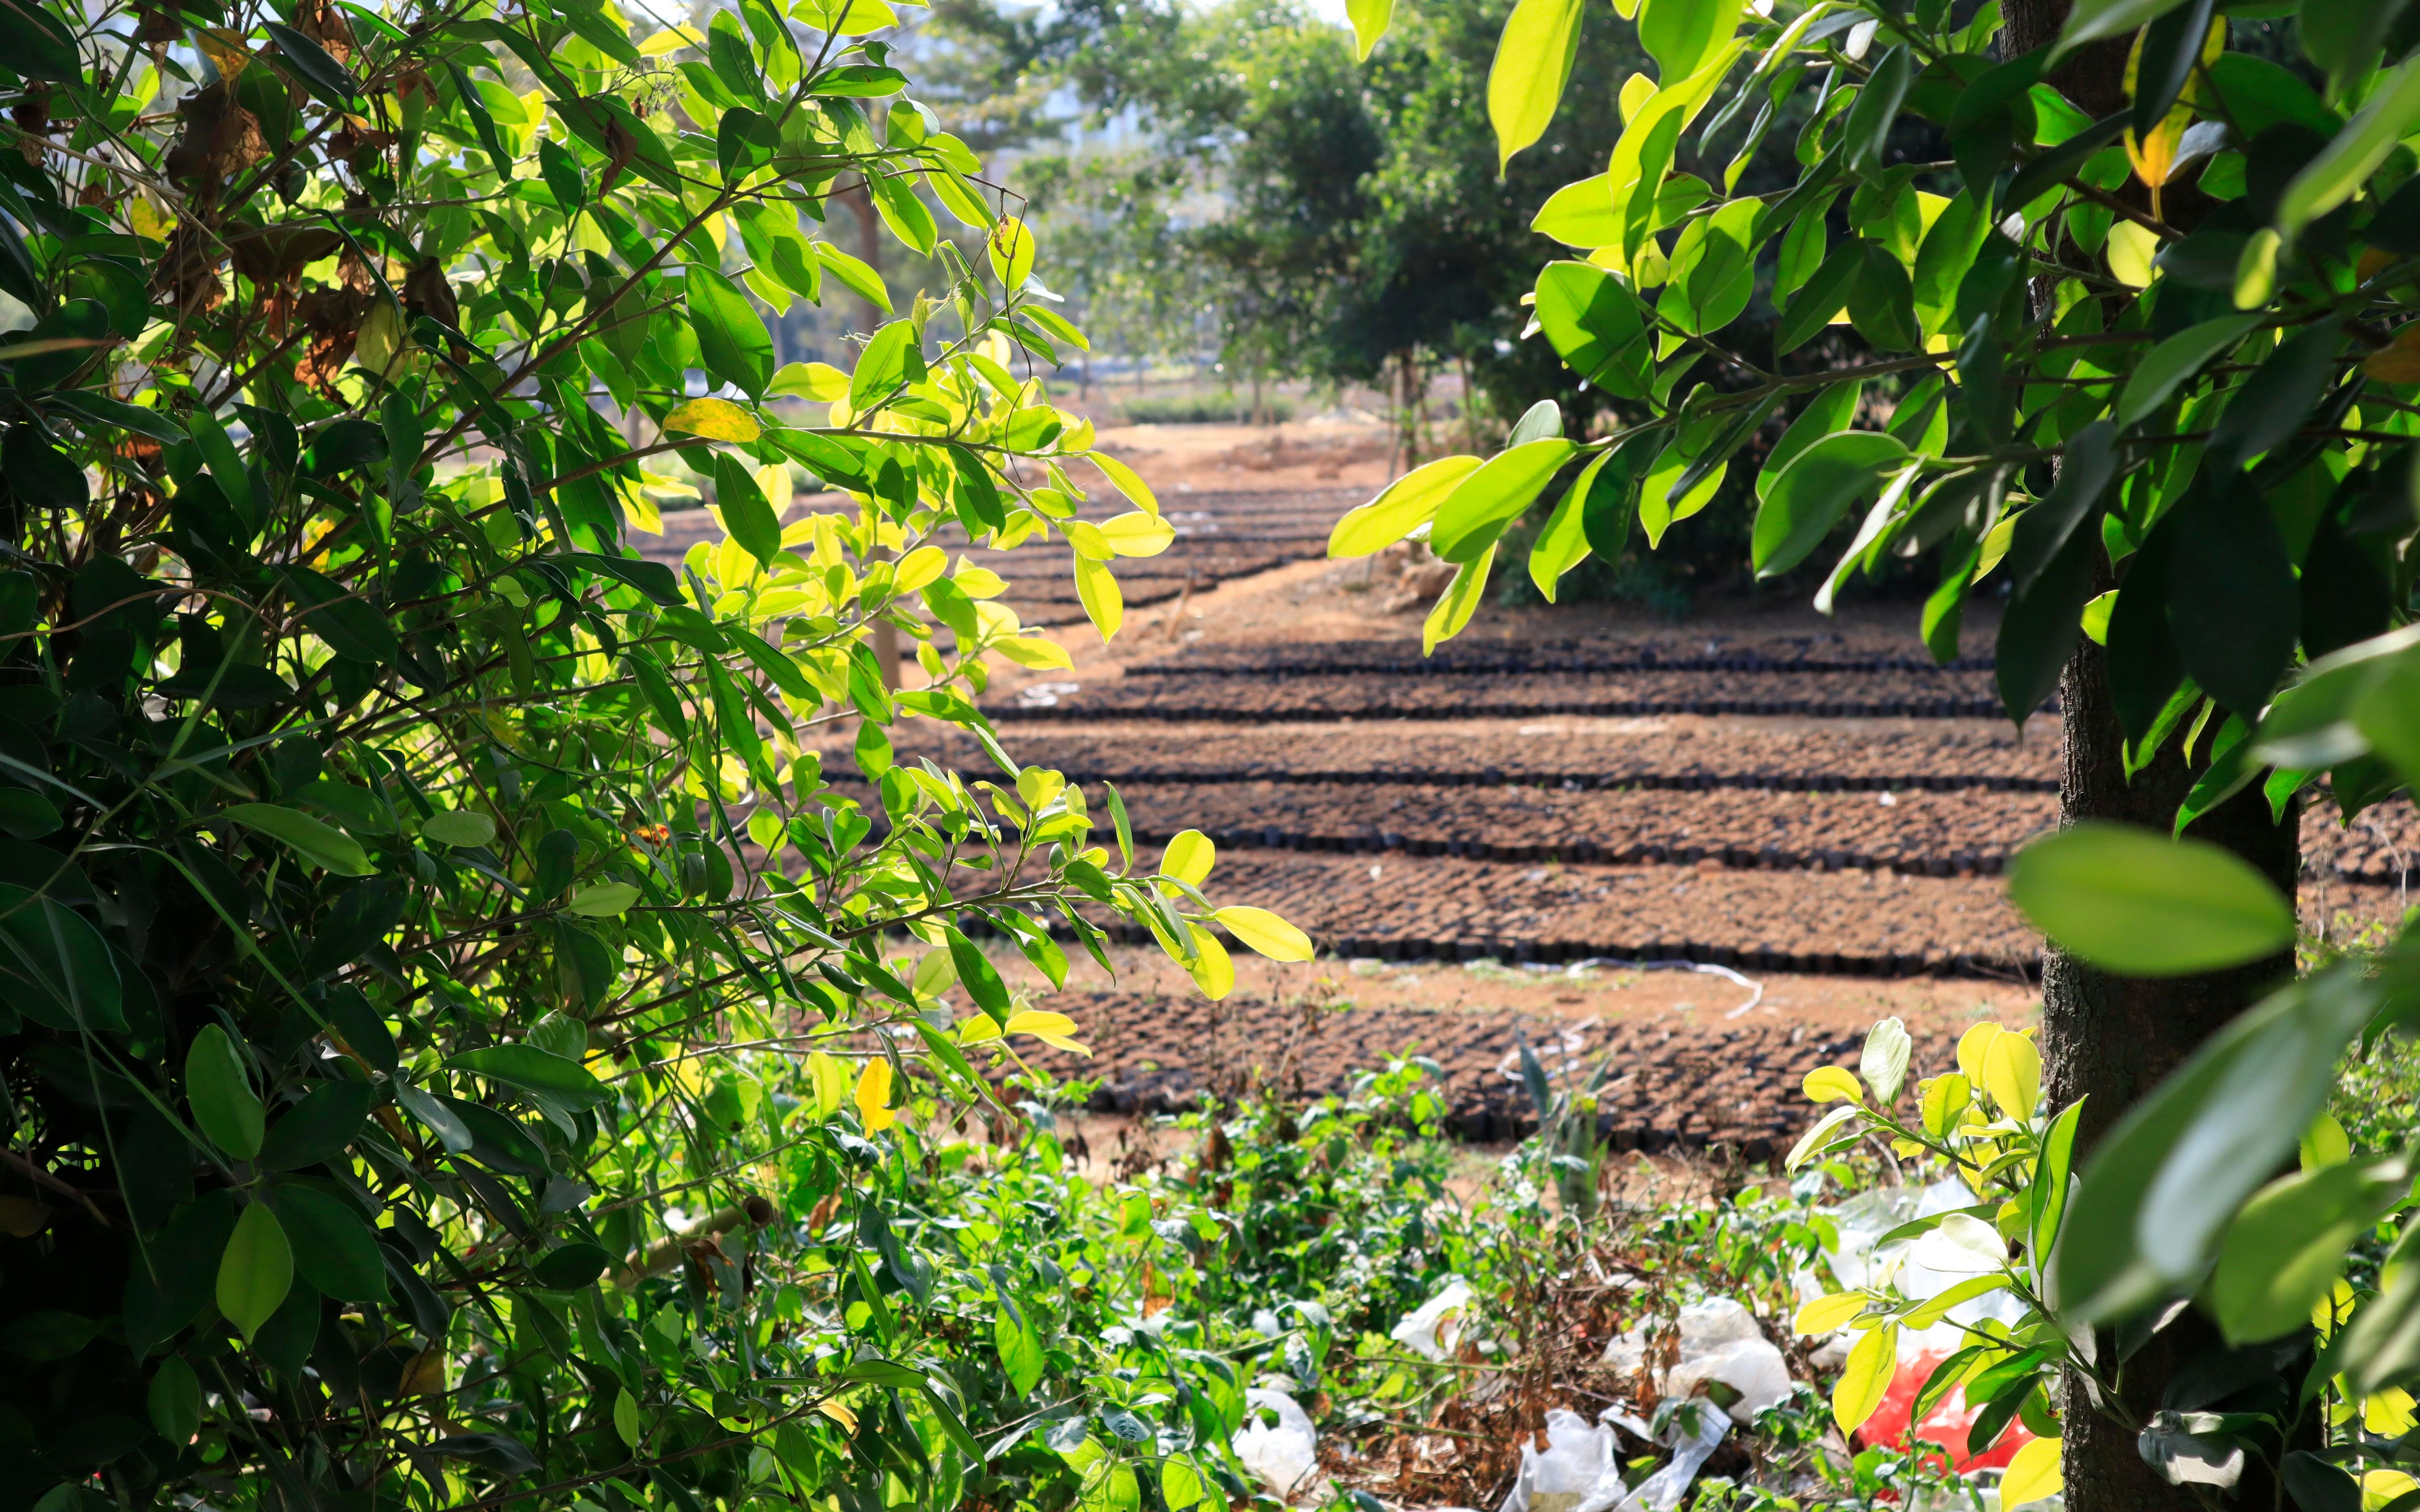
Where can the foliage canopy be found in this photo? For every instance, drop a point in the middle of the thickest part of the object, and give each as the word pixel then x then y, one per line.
pixel 457 1044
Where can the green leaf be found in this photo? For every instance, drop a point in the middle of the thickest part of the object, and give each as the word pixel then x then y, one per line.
pixel 2233 603
pixel 1872 112
pixel 890 359
pixel 2174 362
pixel 536 1070
pixel 332 1244
pixel 317 1128
pixel 256 1271
pixel 1658 510
pixel 2285 1250
pixel 352 625
pixel 1021 1349
pixel 745 514
pixel 39 45
pixel 220 1095
pixel 2090 20
pixel 319 844
pixel 1714 269
pixel 604 900
pixel 1402 507
pixel 1826 294
pixel 855 276
pixel 1580 214
pixel 1533 61
pixel 2136 902
pixel 1681 35
pixel 1454 608
pixel 2259 93
pixel 732 340
pixel 57 969
pixel 1563 541
pixel 1594 323
pixel 1815 490
pixel 2353 155
pixel 320 74
pixel 1833 408
pixel 2162 1185
pixel 1475 514
pixel 1873 1361
pixel 1370 19
pixel 462 828
pixel 2277 399
pixel 174 1400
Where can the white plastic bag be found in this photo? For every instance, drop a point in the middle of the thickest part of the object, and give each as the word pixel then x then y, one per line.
pixel 1663 1490
pixel 1436 1328
pixel 1719 1341
pixel 1284 1456
pixel 1578 1459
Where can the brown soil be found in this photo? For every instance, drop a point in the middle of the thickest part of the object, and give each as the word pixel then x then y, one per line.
pixel 1805 802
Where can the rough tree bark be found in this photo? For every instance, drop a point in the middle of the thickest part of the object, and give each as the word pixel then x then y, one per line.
pixel 2112 1039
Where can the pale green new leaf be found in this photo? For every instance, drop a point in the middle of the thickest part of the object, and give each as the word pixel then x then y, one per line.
pixel 1491 498
pixel 1459 602
pixel 1533 61
pixel 1402 507
pixel 1370 19
pixel 2137 902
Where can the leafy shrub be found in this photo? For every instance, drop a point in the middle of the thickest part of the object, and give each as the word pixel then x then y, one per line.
pixel 1225 409
pixel 457 1048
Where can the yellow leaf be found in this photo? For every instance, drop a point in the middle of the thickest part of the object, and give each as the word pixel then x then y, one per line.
pixel 1125 480
pixel 1137 534
pixel 2012 1075
pixel 224 47
pixel 1035 651
pixel 2388 1413
pixel 1087 539
pixel 918 567
pixel 717 420
pixel 1011 251
pixel 2130 250
pixel 1971 1048
pixel 1189 858
pixel 1267 932
pixel 980 1029
pixel 1832 1083
pixel 1828 1315
pixel 818 382
pixel 1212 969
pixel 1052 1029
pixel 1104 603
pixel 1873 1361
pixel 874 1096
pixel 2031 1476
pixel 149 219
pixel 671 39
pixel 841 1416
pixel 1944 1098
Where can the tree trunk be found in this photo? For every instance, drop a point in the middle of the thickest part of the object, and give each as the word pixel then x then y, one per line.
pixel 2112 1039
